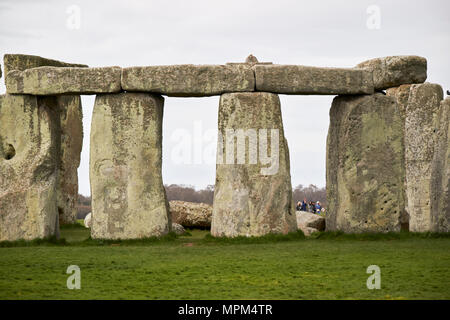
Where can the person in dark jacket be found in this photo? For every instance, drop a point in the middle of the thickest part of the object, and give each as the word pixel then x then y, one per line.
pixel 304 205
pixel 299 206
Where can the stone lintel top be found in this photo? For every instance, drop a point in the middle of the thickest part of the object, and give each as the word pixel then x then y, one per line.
pixel 40 76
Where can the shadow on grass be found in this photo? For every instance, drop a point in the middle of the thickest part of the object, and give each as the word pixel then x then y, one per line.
pixel 339 235
pixel 293 236
pixel 208 239
pixel 71 226
pixel 168 238
pixel 50 241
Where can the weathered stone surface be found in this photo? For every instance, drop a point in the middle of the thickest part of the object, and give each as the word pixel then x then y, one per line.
pixel 22 62
pixel 295 79
pixel 396 70
pixel 56 80
pixel 29 153
pixel 419 104
pixel 440 172
pixel 71 114
pixel 178 229
pixel 189 80
pixel 311 220
pixel 252 197
pixel 128 197
pixel 191 214
pixel 88 220
pixel 365 165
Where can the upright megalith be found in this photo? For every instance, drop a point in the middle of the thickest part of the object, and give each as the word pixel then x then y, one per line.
pixel 128 197
pixel 365 164
pixel 419 104
pixel 71 126
pixel 29 153
pixel 253 192
pixel 440 172
pixel 71 122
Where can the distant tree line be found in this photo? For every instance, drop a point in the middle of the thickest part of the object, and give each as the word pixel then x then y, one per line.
pixel 190 194
pixel 310 193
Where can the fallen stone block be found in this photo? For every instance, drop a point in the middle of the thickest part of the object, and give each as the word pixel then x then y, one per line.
pixel 394 71
pixel 128 196
pixel 29 153
pixel 253 191
pixel 22 62
pixel 311 220
pixel 190 214
pixel 178 229
pixel 56 80
pixel 419 104
pixel 307 231
pixel 440 172
pixel 365 164
pixel 295 79
pixel 189 80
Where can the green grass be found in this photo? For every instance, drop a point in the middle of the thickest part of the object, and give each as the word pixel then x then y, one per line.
pixel 197 266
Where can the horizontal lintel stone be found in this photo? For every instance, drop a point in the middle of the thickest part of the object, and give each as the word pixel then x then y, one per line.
pixel 22 62
pixel 64 80
pixel 297 79
pixel 189 80
pixel 394 71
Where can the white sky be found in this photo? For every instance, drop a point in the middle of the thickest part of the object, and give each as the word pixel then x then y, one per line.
pixel 318 33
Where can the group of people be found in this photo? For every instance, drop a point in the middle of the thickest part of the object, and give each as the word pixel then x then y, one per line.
pixel 313 207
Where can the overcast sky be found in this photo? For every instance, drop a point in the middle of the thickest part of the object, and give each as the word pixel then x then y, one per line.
pixel 318 33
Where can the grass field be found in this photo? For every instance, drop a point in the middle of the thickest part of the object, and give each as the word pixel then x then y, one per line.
pixel 331 266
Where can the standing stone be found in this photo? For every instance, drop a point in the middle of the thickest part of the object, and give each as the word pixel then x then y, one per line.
pixel 252 196
pixel 440 172
pixel 419 104
pixel 29 153
pixel 393 71
pixel 128 197
pixel 71 114
pixel 365 164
